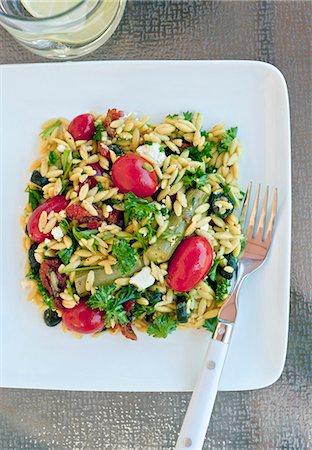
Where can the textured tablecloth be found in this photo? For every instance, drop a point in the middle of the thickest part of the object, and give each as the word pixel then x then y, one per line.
pixel 278 417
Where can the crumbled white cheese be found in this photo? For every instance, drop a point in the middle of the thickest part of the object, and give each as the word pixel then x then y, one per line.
pixel 143 279
pixel 204 227
pixel 61 147
pixel 153 153
pixel 109 208
pixel 57 233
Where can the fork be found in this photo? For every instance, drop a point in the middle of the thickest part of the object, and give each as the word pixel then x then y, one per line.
pixel 258 242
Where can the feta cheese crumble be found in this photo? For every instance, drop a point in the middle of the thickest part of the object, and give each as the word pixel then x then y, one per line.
pixel 143 279
pixel 57 233
pixel 152 152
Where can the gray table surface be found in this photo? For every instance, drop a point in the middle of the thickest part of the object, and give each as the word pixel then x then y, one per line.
pixel 278 417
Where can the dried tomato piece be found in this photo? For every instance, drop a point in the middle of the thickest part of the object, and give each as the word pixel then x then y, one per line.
pixel 112 114
pixel 91 180
pixel 116 217
pixel 83 217
pixel 52 280
pixel 77 212
pixel 186 145
pixel 58 304
pixel 103 150
pixel 128 332
pixel 128 306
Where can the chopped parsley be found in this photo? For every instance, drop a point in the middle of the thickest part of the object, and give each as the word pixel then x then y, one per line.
pixel 125 254
pixel 222 290
pixel 49 130
pixel 197 155
pixel 35 197
pixel 105 300
pixel 172 116
pixel 227 138
pixel 117 150
pixel 99 128
pixel 33 275
pixel 100 186
pixel 210 324
pixel 188 116
pixel 162 326
pixel 53 158
pixel 128 293
pixel 67 253
pixel 195 179
pixel 153 297
pixel 138 208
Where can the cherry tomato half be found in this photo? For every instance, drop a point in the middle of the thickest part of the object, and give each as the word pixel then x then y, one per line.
pixel 82 127
pixel 132 173
pixel 189 264
pixel 55 204
pixel 83 319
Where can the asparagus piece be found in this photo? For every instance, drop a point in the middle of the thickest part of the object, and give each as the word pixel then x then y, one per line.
pixel 163 248
pixel 102 278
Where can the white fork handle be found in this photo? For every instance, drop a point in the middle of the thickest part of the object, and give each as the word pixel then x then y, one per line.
pixel 196 421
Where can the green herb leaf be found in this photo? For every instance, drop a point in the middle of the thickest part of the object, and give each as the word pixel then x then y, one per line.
pixel 32 275
pixel 100 186
pixel 117 150
pixel 211 169
pixel 35 197
pixel 195 179
pixel 162 326
pixel 99 128
pixel 153 298
pixel 213 271
pixel 49 130
pixel 52 158
pixel 222 290
pixel 64 225
pixel 66 254
pixel 227 138
pixel 172 116
pixel 197 155
pixel 210 324
pixel 188 116
pixel 138 208
pixel 82 234
pixel 104 300
pixel 125 255
pixel 128 293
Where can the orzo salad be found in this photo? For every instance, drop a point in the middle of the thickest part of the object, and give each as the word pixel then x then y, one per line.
pixel 132 225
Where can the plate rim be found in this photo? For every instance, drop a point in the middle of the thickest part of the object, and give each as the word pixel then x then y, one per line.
pixel 282 81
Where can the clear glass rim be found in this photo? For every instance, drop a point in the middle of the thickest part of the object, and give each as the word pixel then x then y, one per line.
pixel 41 19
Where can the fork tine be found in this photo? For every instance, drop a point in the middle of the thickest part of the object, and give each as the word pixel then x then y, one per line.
pixel 244 210
pixel 259 231
pixel 269 232
pixel 252 219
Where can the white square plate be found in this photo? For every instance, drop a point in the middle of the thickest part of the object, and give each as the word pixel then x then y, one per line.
pixel 251 95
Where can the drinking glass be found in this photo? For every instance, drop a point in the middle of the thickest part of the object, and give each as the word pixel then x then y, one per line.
pixel 61 29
